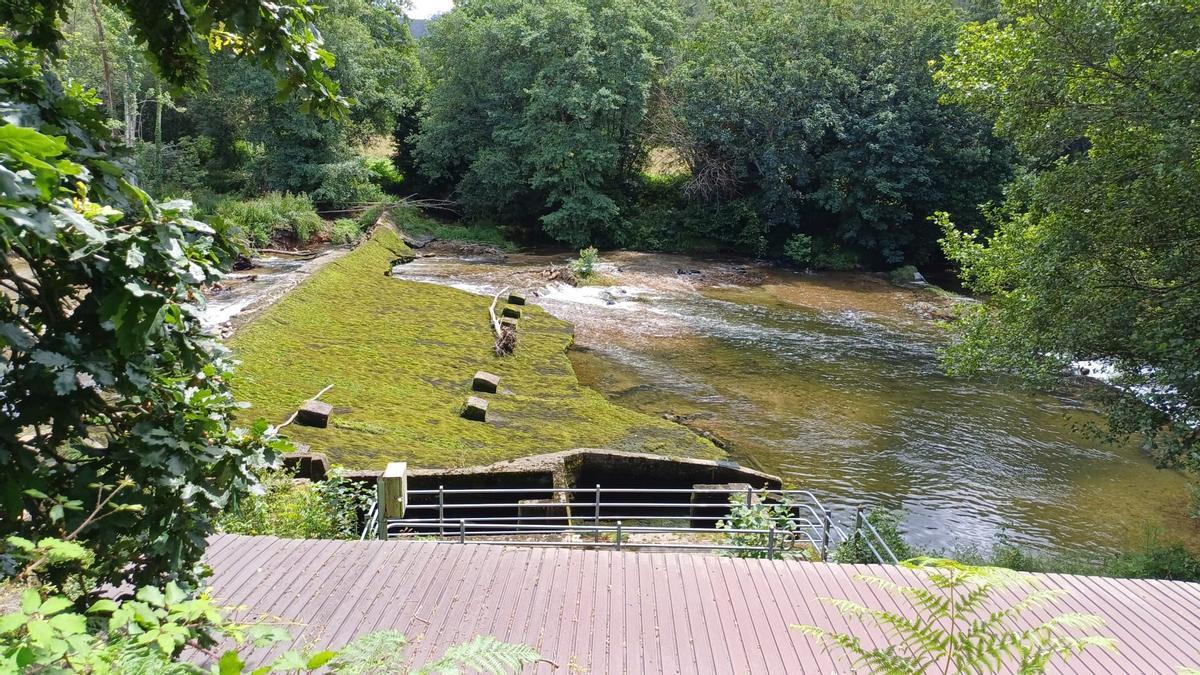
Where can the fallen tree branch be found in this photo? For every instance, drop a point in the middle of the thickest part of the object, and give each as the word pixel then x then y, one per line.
pixel 294 254
pixel 506 336
pixel 292 418
pixel 492 311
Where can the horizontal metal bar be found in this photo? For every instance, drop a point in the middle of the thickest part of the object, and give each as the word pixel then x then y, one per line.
pixel 593 544
pixel 610 490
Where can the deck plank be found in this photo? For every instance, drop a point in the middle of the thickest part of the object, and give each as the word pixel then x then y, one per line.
pixel 617 611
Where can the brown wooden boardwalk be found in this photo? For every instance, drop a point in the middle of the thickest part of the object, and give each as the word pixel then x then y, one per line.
pixel 621 612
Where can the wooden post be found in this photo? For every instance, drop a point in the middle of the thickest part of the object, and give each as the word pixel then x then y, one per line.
pixel 391 491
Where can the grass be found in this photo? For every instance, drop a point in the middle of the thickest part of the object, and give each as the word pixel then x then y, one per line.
pixel 401 355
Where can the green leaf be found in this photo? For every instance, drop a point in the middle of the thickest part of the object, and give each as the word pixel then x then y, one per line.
pixel 230 664
pixel 53 605
pixel 151 595
pixel 40 632
pixel 319 659
pixel 174 594
pixel 290 660
pixel 31 600
pixel 36 494
pixel 134 257
pixel 11 622
pixel 69 624
pixel 102 606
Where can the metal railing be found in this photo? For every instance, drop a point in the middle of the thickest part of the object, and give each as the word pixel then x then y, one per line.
pixel 794 523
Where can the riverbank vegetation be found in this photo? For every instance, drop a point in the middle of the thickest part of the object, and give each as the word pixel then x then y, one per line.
pixel 1092 256
pixel 401 356
pixel 784 119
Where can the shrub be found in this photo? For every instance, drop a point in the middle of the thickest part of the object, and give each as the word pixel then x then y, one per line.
pixel 799 249
pixel 384 173
pixel 827 255
pixel 767 512
pixel 349 183
pixel 1156 559
pixel 178 170
pixel 585 265
pixel 327 509
pixel 345 231
pixel 903 275
pixel 887 524
pixel 273 216
pixel 966 623
pixel 368 218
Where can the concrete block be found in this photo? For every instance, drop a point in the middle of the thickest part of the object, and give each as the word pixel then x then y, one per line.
pixel 516 299
pixel 511 312
pixel 485 382
pixel 314 414
pixel 543 512
pixel 475 409
pixel 708 506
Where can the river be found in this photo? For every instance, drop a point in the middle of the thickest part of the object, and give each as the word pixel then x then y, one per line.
pixel 833 383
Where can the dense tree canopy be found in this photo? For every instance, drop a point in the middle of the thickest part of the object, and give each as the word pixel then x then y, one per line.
pixel 822 117
pixel 537 110
pixel 1095 254
pixel 179 37
pixel 263 143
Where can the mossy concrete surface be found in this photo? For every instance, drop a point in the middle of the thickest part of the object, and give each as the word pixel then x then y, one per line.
pixel 401 356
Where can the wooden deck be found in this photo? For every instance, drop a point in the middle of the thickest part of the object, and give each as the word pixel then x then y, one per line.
pixel 622 612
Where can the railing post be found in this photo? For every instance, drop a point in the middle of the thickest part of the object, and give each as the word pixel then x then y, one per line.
pixel 858 523
pixel 391 494
pixel 596 516
pixel 749 496
pixel 441 510
pixel 825 525
pixel 771 542
pixel 462 531
pixel 618 535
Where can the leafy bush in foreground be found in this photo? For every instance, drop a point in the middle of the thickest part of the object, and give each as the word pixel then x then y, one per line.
pixel 110 388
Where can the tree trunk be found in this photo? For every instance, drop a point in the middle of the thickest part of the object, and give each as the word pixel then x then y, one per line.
pixel 158 136
pixel 109 102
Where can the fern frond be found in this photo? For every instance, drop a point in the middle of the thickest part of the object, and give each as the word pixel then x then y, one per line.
pixel 379 652
pixel 484 654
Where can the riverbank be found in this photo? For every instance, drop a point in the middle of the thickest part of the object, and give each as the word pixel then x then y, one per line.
pixel 400 356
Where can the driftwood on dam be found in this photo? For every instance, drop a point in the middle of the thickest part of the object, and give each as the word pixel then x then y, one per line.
pixel 505 332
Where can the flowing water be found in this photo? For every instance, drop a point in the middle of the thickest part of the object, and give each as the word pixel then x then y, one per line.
pixel 833 383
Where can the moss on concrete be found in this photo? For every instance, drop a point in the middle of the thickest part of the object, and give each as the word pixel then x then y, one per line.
pixel 400 356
